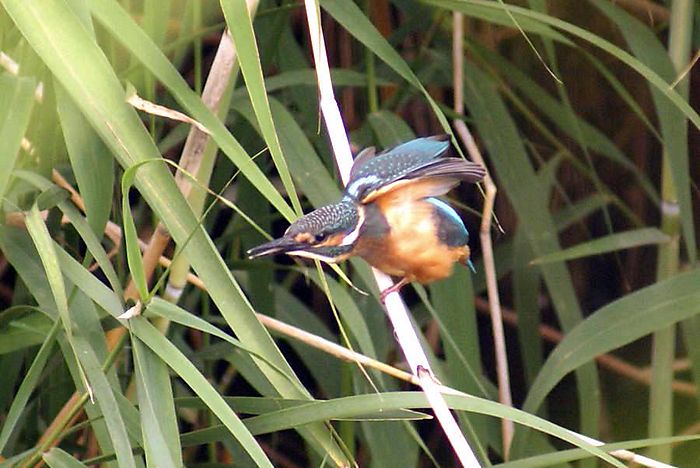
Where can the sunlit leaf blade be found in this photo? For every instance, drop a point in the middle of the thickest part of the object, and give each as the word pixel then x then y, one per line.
pixel 131 237
pixel 114 18
pixel 44 246
pixel 261 405
pixel 145 332
pixel 106 399
pixel 93 85
pixel 343 407
pixel 546 195
pixel 91 162
pixel 349 407
pixel 161 440
pixel 610 243
pixel 621 322
pixel 241 28
pixel 58 458
pixel 564 456
pixel 29 265
pixel 16 102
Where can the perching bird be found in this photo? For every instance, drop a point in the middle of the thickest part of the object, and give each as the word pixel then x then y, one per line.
pixel 389 215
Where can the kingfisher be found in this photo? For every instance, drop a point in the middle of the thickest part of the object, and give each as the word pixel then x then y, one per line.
pixel 390 215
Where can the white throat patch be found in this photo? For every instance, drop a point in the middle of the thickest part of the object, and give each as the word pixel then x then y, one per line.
pixel 311 255
pixel 352 237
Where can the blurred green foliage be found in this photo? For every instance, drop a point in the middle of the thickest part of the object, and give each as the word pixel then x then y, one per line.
pixel 196 379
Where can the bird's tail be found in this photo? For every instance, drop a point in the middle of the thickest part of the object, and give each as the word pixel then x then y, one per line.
pixel 465 258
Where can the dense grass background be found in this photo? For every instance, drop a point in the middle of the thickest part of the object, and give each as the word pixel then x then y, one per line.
pixel 597 257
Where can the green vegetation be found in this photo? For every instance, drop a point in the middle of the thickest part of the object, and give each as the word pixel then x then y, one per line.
pixel 585 116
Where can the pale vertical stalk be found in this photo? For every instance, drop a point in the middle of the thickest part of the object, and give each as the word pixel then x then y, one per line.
pixel 396 309
pixel 664 341
pixel 502 374
pixel 196 159
pixel 327 102
pixel 198 154
pixel 499 340
pixel 458 61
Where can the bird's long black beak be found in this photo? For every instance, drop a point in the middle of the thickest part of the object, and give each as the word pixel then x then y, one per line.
pixel 277 246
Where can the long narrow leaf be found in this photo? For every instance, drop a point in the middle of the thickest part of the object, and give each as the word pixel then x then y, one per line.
pixel 115 19
pixel 107 401
pixel 145 332
pixel 27 386
pixel 522 13
pixel 91 162
pixel 161 440
pixel 241 27
pixel 58 38
pixel 16 102
pixel 638 314
pixel 520 182
pixel 611 243
pixel 344 407
pixel 57 458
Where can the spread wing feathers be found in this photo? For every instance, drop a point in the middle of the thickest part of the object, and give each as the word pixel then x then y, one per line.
pixel 360 160
pixel 371 171
pixel 374 174
pixel 450 167
pixel 407 191
pixel 445 173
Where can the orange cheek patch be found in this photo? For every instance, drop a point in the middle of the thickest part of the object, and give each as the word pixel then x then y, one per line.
pixel 303 237
pixel 332 241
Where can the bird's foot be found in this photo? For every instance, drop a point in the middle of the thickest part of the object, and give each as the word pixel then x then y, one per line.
pixel 393 288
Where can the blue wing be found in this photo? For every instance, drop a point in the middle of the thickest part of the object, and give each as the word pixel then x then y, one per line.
pixel 373 174
pixel 451 229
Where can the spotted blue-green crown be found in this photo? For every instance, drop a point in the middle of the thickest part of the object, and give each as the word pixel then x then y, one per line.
pixel 329 219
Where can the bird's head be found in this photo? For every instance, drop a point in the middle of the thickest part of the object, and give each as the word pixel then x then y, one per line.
pixel 328 234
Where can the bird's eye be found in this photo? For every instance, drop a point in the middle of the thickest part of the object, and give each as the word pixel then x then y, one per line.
pixel 320 237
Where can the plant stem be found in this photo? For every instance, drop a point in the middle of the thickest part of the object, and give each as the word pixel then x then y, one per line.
pixel 664 341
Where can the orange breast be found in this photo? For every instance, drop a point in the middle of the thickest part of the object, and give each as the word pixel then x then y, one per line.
pixel 411 249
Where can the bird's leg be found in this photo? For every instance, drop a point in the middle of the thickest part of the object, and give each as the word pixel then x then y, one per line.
pixel 394 288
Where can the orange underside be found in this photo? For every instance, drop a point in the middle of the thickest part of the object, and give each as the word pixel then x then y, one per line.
pixel 412 248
